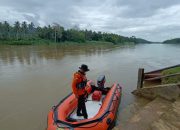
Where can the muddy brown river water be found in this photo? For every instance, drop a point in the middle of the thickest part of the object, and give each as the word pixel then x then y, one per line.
pixel 34 78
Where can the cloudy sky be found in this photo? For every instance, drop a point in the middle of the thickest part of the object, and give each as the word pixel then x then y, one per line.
pixel 154 20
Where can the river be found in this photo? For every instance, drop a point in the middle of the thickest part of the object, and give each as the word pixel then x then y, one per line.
pixel 34 78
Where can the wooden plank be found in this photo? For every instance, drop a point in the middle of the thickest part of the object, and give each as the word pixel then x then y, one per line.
pixel 159 70
pixel 160 77
pixel 153 75
pixel 140 78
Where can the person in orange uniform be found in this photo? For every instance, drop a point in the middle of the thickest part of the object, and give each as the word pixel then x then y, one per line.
pixel 78 88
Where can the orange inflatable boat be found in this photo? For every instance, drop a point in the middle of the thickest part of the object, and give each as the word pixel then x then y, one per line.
pixel 101 113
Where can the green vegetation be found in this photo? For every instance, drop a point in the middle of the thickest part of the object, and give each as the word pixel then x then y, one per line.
pixel 27 34
pixel 174 79
pixel 25 41
pixel 175 40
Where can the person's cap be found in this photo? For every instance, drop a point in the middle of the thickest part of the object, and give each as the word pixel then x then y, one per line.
pixel 84 67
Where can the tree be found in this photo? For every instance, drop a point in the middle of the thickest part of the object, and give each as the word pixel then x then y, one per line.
pixel 58 32
pixel 31 29
pixel 1 28
pixel 24 28
pixel 75 35
pixel 17 29
pixel 5 30
pixel 95 36
pixel 88 35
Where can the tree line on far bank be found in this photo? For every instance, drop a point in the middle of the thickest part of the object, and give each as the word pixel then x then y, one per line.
pixel 56 33
pixel 175 40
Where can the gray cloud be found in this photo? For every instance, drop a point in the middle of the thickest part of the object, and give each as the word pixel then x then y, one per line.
pixel 145 8
pixel 155 20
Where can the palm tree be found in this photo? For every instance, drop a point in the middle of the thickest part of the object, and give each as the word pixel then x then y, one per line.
pixel 31 29
pixel 55 26
pixel 1 28
pixel 58 31
pixel 24 28
pixel 17 29
pixel 6 29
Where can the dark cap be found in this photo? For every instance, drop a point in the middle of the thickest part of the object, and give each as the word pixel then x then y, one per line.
pixel 84 67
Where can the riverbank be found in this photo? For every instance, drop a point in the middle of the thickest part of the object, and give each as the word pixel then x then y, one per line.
pixel 158 114
pixel 65 43
pixel 160 109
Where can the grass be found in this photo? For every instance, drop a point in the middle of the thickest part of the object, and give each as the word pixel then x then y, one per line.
pixel 38 41
pixel 174 79
pixel 42 41
pixel 25 42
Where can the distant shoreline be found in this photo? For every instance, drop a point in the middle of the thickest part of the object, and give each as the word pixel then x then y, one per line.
pixel 69 43
pixel 49 42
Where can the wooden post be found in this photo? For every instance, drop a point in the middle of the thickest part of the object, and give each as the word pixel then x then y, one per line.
pixel 140 78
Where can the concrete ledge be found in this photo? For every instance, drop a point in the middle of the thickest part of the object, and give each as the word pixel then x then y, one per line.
pixel 169 92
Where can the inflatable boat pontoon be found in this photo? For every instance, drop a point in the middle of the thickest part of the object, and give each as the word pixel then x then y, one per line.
pixel 101 114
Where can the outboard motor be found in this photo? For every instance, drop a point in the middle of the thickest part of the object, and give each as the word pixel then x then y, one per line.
pixel 101 81
pixel 99 90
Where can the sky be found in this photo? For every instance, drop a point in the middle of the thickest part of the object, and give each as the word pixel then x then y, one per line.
pixel 154 20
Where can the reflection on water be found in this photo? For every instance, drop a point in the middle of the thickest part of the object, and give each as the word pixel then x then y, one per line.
pixel 34 78
pixel 33 54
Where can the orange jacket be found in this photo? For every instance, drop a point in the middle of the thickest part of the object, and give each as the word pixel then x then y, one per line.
pixel 77 79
